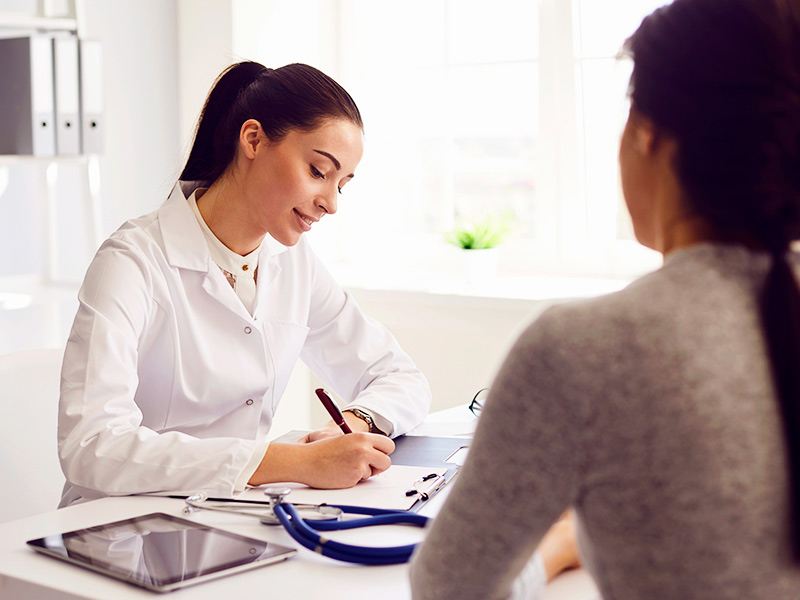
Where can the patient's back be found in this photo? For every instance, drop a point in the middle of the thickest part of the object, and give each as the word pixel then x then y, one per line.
pixel 685 492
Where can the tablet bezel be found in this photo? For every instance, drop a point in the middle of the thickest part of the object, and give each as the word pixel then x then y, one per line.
pixel 174 581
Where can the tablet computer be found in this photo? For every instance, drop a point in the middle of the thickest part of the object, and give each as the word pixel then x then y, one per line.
pixel 160 552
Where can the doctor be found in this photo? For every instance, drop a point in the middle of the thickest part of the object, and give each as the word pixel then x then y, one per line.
pixel 191 318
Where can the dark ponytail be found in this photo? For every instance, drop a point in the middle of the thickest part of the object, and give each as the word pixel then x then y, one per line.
pixel 723 78
pixel 780 314
pixel 296 96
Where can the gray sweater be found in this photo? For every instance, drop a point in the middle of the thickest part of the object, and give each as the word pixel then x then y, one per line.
pixel 651 411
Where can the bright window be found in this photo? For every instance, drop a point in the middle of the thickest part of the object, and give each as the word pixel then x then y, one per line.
pixel 471 107
pixel 601 83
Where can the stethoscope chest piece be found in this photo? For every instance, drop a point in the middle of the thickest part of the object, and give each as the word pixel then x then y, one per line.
pixel 308 512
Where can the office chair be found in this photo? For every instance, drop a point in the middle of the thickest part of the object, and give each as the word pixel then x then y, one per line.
pixel 29 469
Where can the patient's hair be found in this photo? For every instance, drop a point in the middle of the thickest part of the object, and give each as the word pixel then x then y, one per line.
pixel 295 96
pixel 723 78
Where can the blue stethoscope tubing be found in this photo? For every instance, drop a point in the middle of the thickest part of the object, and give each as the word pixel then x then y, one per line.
pixel 306 534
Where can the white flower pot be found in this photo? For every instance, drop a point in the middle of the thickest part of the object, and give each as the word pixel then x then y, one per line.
pixel 481 265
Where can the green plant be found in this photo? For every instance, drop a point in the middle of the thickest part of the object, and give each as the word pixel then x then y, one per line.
pixel 478 234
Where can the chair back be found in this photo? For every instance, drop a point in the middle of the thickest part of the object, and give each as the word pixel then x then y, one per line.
pixel 30 473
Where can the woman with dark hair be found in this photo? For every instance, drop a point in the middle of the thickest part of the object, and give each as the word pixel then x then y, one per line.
pixel 665 414
pixel 191 318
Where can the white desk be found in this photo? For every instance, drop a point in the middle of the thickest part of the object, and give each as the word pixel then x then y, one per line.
pixel 25 574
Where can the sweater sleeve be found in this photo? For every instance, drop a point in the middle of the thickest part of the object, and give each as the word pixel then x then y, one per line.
pixel 522 472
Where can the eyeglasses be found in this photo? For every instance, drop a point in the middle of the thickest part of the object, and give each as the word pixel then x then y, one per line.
pixel 476 406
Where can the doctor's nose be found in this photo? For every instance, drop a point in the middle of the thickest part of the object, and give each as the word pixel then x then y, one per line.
pixel 328 203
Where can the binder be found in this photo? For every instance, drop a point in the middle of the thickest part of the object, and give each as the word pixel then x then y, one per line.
pixel 27 123
pixel 65 69
pixel 91 96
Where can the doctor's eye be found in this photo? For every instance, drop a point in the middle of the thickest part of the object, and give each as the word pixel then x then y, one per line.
pixel 316 172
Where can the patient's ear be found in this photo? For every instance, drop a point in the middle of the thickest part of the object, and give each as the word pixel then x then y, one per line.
pixel 645 134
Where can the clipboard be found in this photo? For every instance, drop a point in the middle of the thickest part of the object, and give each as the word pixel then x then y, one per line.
pixel 427 451
pixel 444 454
pixel 421 501
pixel 387 490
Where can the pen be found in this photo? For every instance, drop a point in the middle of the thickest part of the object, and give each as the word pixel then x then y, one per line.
pixel 333 410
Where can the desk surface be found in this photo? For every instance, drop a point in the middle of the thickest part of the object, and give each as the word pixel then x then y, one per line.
pixel 25 574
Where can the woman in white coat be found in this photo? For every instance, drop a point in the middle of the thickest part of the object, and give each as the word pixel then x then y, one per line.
pixel 191 318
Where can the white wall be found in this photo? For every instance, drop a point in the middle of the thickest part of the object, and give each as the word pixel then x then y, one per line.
pixel 143 146
pixel 204 32
pixel 457 342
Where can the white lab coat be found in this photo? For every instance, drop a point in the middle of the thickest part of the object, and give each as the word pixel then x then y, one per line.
pixel 168 383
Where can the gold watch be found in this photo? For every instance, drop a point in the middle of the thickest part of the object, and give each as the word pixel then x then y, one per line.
pixel 367 418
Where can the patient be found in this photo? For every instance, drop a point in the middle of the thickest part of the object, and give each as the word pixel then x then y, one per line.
pixel 665 414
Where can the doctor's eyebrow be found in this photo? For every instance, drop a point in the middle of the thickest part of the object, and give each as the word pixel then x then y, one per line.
pixel 335 162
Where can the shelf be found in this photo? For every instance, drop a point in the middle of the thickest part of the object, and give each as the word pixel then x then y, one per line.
pixel 16 159
pixel 13 21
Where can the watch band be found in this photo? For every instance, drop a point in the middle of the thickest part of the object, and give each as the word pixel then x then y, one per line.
pixel 366 417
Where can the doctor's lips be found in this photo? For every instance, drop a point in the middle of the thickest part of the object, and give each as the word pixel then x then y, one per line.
pixel 308 220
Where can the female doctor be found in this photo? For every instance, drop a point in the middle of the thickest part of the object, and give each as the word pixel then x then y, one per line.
pixel 191 318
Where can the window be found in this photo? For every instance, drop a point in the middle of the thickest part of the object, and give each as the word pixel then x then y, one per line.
pixel 471 107
pixel 601 80
pixel 448 91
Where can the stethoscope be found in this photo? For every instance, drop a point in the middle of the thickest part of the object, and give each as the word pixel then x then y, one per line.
pixel 303 521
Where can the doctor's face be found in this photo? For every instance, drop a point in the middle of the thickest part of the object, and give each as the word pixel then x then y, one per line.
pixel 294 183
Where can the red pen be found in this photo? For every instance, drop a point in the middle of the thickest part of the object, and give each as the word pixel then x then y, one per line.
pixel 333 410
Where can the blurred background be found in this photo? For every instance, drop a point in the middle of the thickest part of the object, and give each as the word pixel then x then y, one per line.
pixel 471 108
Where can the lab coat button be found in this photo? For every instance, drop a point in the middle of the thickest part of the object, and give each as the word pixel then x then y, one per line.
pixel 247 330
pixel 249 402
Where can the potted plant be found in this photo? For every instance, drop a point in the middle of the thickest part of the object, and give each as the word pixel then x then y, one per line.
pixel 479 239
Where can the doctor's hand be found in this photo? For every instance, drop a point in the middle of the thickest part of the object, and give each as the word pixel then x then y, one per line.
pixel 334 462
pixel 559 547
pixel 331 429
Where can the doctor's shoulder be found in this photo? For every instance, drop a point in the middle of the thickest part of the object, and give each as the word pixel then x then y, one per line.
pixel 128 258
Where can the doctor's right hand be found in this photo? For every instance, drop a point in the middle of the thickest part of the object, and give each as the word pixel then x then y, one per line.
pixel 336 462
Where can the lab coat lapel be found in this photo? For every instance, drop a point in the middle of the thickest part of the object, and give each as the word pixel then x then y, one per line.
pixel 218 287
pixel 186 248
pixel 184 244
pixel 269 269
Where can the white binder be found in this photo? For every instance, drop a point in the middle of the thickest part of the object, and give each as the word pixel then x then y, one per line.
pixel 27 124
pixel 91 93
pixel 65 67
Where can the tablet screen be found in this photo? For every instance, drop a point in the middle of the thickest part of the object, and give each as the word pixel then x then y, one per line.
pixel 160 552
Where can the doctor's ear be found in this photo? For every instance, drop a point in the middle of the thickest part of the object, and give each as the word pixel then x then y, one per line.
pixel 250 136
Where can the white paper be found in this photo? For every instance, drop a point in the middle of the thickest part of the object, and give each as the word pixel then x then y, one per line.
pixel 452 422
pixel 386 490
